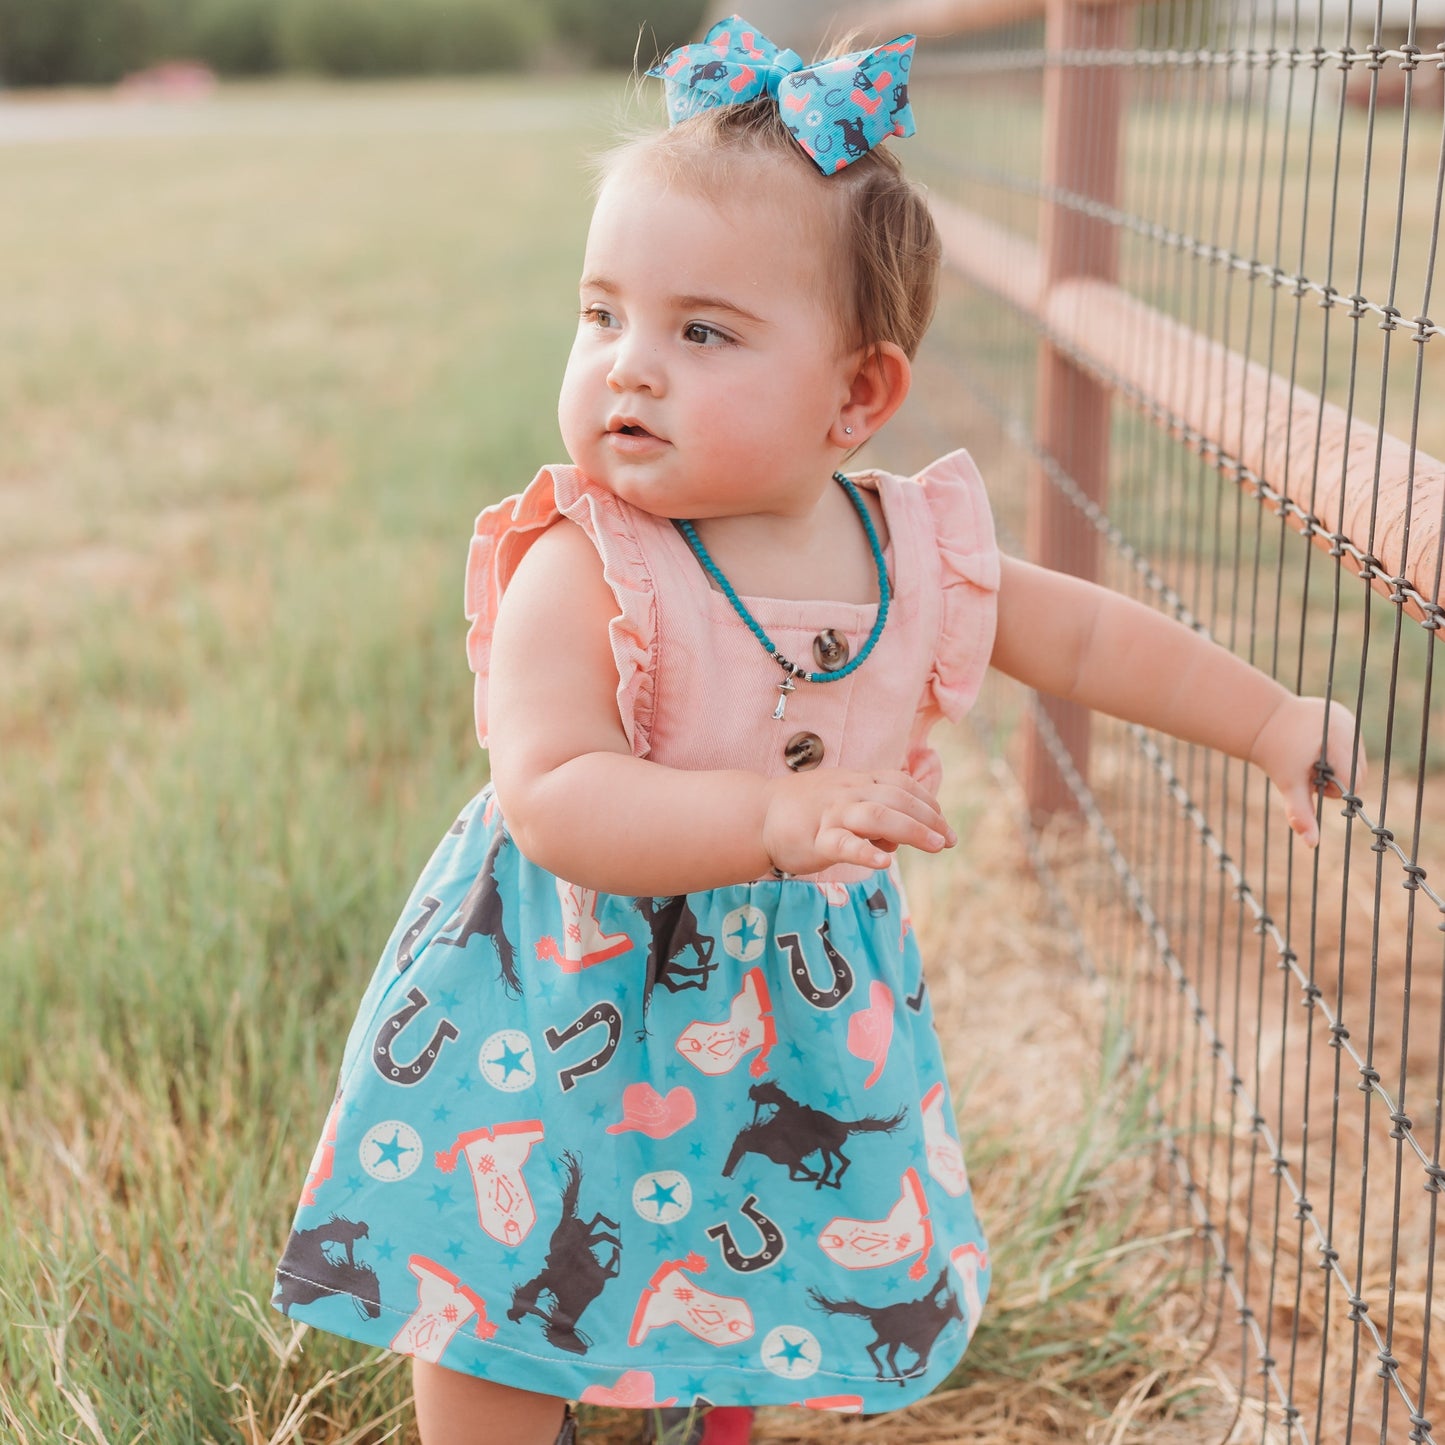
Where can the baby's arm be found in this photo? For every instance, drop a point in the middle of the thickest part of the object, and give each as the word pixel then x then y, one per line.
pixel 1085 643
pixel 578 802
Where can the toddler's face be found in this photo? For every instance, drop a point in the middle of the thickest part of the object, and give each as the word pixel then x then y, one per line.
pixel 707 367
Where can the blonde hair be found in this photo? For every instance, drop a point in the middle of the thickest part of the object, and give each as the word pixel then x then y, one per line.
pixel 881 227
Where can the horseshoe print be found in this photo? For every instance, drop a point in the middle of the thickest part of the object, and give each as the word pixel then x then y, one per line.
pixel 599 1013
pixel 420 1066
pixel 773 1242
pixel 798 967
pixel 404 956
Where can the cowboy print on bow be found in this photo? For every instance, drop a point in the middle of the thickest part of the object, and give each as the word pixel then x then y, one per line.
pixel 836 110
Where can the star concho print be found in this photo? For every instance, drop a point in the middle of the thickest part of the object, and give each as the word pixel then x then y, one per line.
pixel 390 1150
pixel 745 932
pixel 662 1197
pixel 507 1061
pixel 791 1351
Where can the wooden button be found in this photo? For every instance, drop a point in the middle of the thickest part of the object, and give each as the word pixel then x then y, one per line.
pixel 803 752
pixel 830 650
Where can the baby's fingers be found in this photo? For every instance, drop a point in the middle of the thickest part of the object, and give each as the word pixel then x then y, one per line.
pixel 901 783
pixel 1299 809
pixel 1344 758
pixel 1342 768
pixel 842 846
pixel 913 800
pixel 887 827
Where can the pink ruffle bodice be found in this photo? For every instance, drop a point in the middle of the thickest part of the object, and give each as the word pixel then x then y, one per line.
pixel 696 689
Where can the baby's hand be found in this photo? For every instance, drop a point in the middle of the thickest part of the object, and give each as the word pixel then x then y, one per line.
pixel 832 815
pixel 1288 749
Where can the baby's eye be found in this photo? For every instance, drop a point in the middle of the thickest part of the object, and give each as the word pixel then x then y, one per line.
pixel 598 316
pixel 701 334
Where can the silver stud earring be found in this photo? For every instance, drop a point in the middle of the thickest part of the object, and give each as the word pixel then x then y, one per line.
pixel 847 431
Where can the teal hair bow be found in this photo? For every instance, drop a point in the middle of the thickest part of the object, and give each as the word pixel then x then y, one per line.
pixel 836 110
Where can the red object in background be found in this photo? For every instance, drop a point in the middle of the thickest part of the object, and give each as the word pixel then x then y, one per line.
pixel 717 1425
pixel 728 1425
pixel 171 80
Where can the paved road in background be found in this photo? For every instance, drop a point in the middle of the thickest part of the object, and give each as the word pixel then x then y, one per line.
pixel 287 111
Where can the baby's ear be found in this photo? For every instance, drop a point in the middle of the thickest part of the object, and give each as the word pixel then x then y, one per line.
pixel 881 377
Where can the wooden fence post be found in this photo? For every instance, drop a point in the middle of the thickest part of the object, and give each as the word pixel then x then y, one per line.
pixel 1083 108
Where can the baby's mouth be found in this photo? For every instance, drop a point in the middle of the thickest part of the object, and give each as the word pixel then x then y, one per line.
pixel 624 426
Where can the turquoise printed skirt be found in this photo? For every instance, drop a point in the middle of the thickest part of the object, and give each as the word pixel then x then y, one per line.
pixel 644 1151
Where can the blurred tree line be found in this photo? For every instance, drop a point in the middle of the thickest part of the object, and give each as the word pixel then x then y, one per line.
pixel 87 42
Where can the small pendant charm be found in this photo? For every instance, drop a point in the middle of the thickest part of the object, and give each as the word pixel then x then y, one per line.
pixel 786 686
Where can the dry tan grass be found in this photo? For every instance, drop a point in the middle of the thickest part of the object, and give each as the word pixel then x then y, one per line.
pixel 1364 1189
pixel 1355 933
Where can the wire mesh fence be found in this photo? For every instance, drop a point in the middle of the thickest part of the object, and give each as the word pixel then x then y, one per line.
pixel 1186 332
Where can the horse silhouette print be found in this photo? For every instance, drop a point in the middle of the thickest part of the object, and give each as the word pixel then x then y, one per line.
pixel 572 1274
pixel 674 930
pixel 480 912
pixel 793 1131
pixel 911 1324
pixel 311 1268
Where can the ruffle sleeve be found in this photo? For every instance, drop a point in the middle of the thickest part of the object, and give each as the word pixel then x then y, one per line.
pixel 502 536
pixel 968 563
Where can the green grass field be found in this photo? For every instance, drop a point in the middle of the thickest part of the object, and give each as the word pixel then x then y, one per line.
pixel 258 371
pixel 257 387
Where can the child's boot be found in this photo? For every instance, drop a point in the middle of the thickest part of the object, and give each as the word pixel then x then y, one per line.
pixel 723 1425
pixel 568 1433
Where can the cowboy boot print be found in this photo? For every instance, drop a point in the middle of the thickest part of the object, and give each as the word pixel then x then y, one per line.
pixel 583 941
pixel 672 1297
pixel 945 1157
pixel 495 1156
pixel 443 1305
pixel 716 1048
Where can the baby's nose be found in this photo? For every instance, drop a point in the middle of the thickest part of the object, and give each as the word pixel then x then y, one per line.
pixel 636 366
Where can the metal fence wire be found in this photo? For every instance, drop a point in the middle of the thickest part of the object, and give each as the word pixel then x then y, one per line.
pixel 1186 332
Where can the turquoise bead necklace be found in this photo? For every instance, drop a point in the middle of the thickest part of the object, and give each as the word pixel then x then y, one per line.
pixel 791 670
